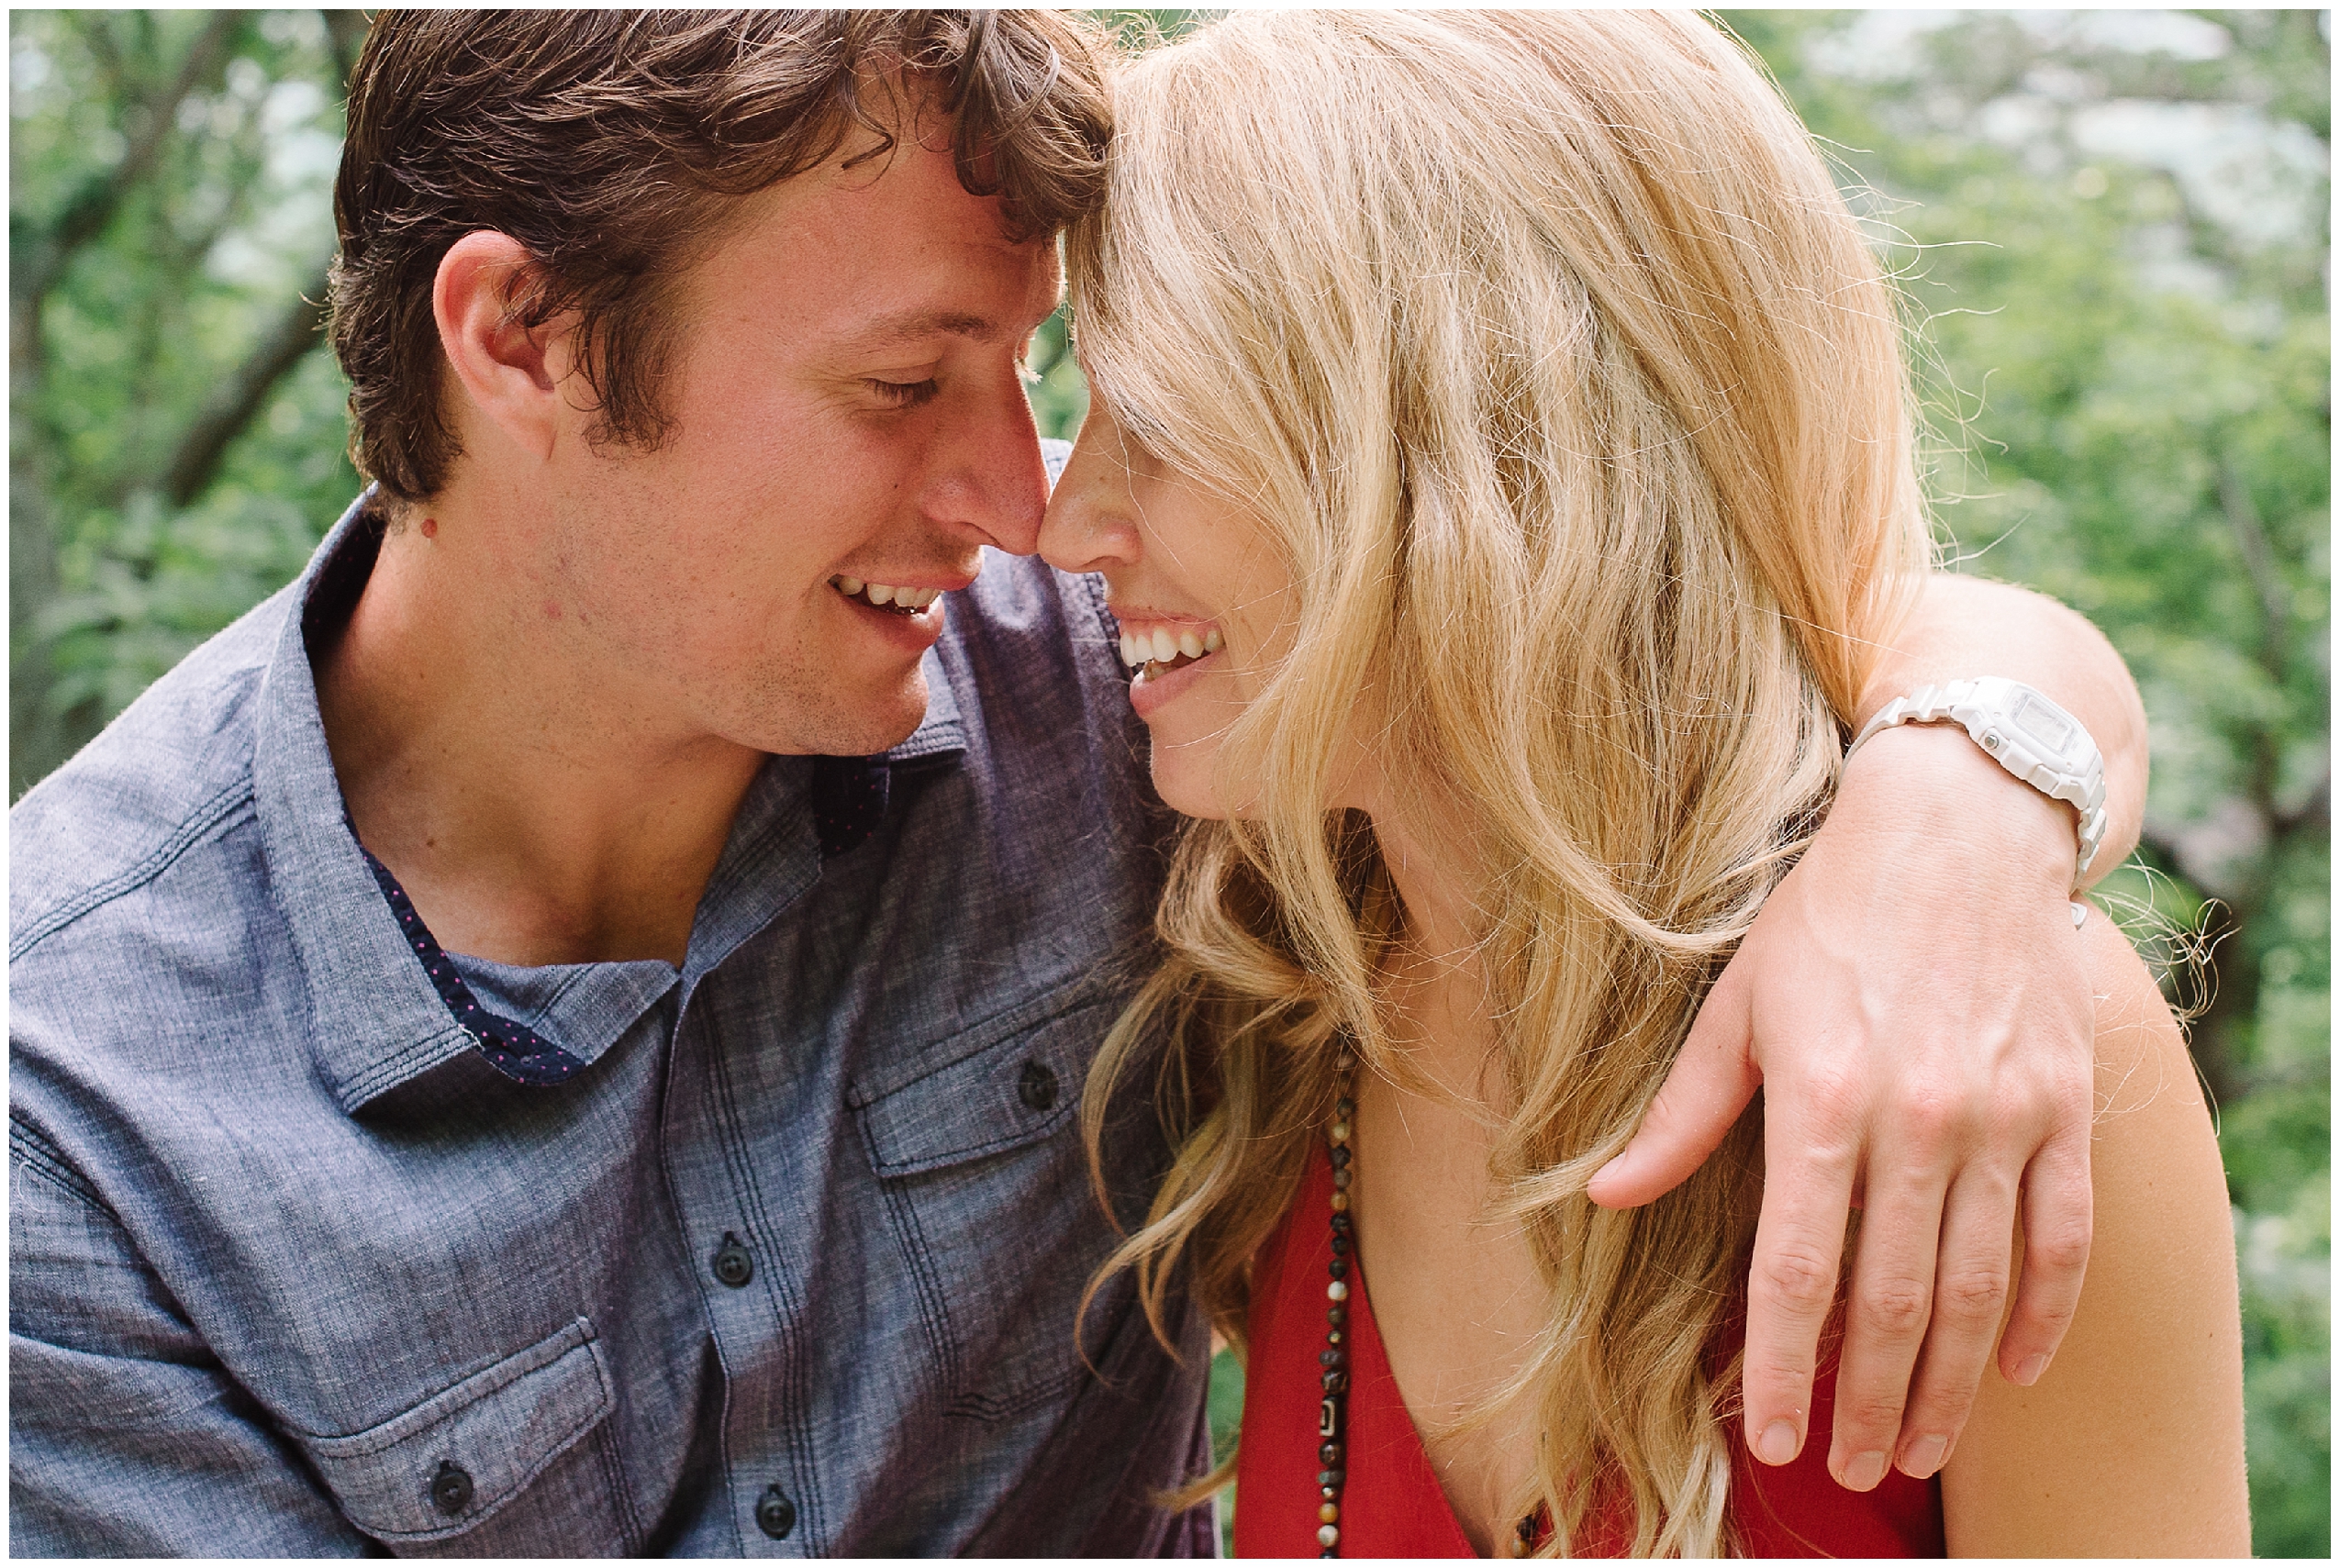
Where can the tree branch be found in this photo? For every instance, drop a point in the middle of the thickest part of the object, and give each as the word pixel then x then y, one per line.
pixel 207 441
pixel 2259 560
pixel 93 207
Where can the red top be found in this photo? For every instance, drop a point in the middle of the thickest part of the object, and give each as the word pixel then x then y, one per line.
pixel 1391 1505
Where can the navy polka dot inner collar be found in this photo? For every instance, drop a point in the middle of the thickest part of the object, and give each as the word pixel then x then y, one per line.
pixel 848 801
pixel 512 1048
pixel 849 797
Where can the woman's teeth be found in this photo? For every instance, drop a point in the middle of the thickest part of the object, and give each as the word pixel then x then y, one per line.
pixel 886 595
pixel 1165 650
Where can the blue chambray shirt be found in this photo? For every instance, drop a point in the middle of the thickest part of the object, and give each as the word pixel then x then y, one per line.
pixel 294 1269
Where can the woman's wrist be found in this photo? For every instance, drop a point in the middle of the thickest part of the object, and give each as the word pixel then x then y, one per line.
pixel 1933 781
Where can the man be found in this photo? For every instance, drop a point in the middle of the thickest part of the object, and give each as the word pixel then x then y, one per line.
pixel 559 1032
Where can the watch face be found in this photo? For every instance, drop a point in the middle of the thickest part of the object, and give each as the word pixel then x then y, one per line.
pixel 2050 729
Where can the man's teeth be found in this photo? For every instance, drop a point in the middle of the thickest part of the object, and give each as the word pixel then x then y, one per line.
pixel 1160 645
pixel 884 594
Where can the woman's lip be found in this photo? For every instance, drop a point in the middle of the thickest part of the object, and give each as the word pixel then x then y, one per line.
pixel 1146 613
pixel 1146 696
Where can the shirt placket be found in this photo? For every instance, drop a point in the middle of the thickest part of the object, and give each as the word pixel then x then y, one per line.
pixel 753 1289
pixel 730 1147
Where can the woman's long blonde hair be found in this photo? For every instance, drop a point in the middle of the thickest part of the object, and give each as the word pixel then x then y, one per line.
pixel 1565 382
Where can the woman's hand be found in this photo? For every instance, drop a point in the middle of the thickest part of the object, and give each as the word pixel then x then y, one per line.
pixel 1915 1003
pixel 2133 1446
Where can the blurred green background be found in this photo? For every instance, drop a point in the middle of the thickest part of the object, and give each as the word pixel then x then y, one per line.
pixel 2112 227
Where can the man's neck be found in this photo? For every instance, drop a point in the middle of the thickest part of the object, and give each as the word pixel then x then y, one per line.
pixel 536 805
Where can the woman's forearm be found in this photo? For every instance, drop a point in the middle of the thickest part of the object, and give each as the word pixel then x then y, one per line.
pixel 1962 627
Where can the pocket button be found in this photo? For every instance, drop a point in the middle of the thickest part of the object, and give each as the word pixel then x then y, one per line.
pixel 1038 1085
pixel 450 1488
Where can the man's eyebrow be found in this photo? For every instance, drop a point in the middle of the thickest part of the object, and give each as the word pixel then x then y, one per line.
pixel 914 325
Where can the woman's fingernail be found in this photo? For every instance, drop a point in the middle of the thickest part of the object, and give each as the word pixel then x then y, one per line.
pixel 1778 1444
pixel 1924 1456
pixel 1866 1471
pixel 2031 1372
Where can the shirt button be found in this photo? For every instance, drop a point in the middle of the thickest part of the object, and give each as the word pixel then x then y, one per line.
pixel 733 1265
pixel 450 1489
pixel 775 1515
pixel 1038 1087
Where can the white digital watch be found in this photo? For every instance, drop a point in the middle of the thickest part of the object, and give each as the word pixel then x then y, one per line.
pixel 2025 734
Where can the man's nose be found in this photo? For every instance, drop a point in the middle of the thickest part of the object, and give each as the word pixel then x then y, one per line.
pixel 998 485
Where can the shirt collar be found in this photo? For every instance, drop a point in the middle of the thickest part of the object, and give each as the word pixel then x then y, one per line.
pixel 375 1019
pixel 942 733
pixel 789 823
pixel 378 1020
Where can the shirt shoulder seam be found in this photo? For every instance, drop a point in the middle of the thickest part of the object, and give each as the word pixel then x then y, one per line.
pixel 201 823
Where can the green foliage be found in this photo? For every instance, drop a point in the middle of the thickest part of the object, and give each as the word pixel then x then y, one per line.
pixel 2109 228
pixel 1226 1421
pixel 175 434
pixel 2112 233
pixel 1058 393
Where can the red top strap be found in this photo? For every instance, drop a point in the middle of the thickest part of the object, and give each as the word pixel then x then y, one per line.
pixel 1391 1505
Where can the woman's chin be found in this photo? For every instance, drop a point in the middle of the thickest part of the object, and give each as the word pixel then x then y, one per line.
pixel 1187 789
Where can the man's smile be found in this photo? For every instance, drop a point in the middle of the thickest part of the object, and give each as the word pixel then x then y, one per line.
pixel 895 599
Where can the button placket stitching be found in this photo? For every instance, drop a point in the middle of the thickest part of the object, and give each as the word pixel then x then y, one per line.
pixel 782 1449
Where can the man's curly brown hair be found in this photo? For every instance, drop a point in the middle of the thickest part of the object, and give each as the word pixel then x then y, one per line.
pixel 613 145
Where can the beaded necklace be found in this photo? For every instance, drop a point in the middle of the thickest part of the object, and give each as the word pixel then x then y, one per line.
pixel 1333 1414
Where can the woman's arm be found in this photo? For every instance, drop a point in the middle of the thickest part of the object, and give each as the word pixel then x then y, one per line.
pixel 1912 1004
pixel 2132 1445
pixel 1964 626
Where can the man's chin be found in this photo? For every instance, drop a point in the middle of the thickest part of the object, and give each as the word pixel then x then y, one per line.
pixel 879 722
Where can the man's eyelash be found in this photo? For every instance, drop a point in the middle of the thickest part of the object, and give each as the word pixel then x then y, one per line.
pixel 903 393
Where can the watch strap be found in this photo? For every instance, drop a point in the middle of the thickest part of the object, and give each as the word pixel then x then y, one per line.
pixel 2024 733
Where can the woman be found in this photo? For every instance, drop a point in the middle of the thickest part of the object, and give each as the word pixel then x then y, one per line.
pixel 1500 464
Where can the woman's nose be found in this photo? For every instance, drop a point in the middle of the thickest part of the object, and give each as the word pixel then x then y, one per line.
pixel 1089 525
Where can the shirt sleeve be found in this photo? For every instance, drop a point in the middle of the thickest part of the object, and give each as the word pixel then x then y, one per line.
pixel 127 1438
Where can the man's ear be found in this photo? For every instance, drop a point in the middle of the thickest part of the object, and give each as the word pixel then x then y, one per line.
pixel 507 371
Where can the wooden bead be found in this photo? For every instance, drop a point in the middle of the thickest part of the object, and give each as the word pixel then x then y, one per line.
pixel 1329 1513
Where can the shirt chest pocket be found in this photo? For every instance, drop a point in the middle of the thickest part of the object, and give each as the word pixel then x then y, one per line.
pixel 454 1463
pixel 986 1184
